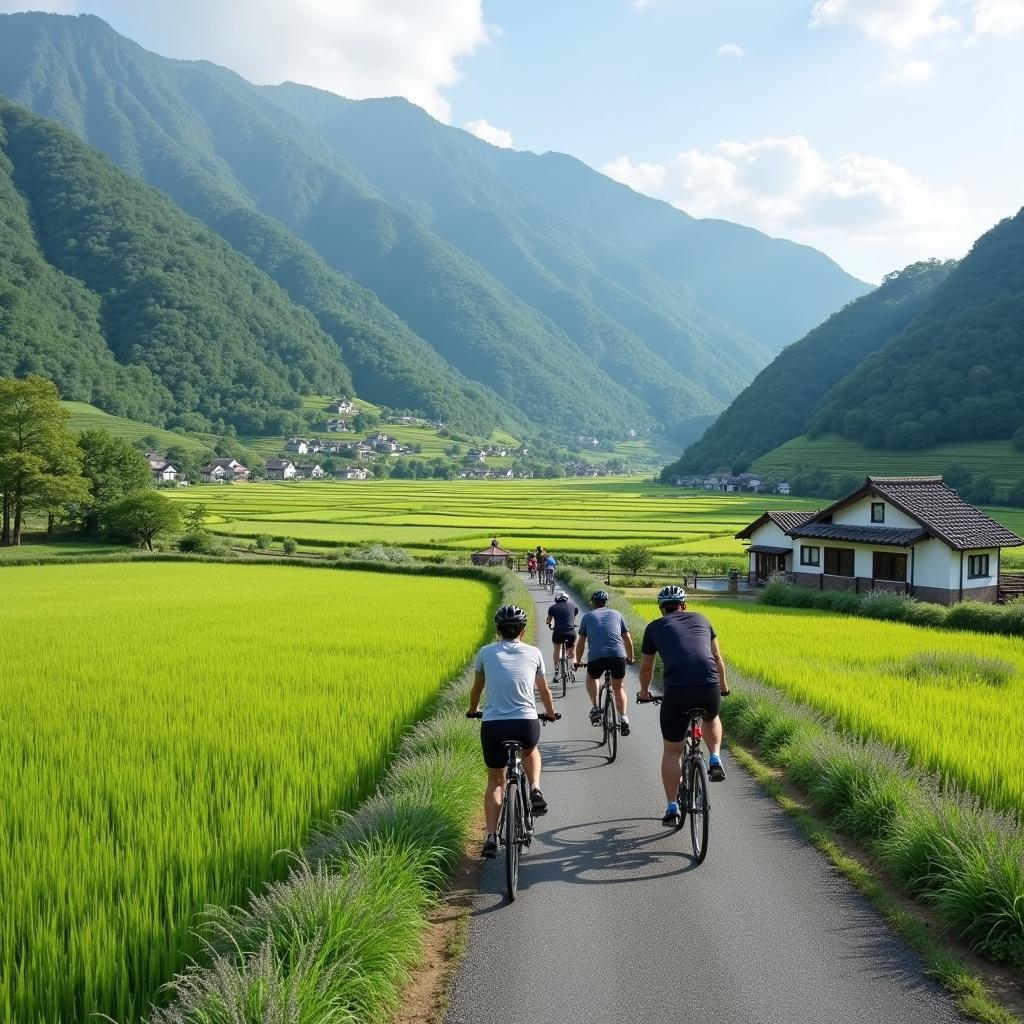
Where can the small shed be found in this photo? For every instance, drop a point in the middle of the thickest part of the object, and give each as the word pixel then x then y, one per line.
pixel 493 555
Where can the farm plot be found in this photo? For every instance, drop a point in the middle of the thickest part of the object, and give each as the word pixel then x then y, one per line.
pixel 566 516
pixel 169 728
pixel 920 690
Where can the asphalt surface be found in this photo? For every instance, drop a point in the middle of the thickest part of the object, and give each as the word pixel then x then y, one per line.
pixel 615 924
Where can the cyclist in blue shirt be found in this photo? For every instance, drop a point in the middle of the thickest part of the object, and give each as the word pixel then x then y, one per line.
pixel 604 631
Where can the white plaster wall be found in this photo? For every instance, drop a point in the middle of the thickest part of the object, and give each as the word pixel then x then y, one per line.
pixel 859 514
pixel 936 565
pixel 772 535
pixel 983 581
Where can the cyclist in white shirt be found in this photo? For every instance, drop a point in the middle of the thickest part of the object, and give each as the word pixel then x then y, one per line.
pixel 506 674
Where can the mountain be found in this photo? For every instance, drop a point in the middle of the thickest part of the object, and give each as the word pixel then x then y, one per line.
pixel 956 371
pixel 778 404
pixel 113 292
pixel 447 272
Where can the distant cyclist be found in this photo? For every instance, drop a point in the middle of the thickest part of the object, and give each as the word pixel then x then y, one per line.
pixel 694 678
pixel 603 631
pixel 507 672
pixel 550 563
pixel 562 620
pixel 531 564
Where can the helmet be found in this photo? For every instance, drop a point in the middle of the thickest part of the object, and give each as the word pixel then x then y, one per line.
pixel 561 596
pixel 509 613
pixel 672 595
pixel 599 597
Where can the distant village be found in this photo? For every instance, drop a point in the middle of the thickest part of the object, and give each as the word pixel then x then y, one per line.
pixel 363 453
pixel 730 484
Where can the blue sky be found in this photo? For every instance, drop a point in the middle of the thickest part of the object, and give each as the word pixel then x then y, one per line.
pixel 880 131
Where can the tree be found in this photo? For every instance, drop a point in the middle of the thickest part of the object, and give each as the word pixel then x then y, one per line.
pixel 113 468
pixel 40 461
pixel 195 519
pixel 634 558
pixel 142 517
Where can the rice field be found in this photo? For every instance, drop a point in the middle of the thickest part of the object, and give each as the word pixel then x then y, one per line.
pixel 951 700
pixel 168 730
pixel 580 517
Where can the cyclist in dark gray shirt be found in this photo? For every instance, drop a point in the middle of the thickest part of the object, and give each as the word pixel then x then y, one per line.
pixel 605 635
pixel 562 620
pixel 694 678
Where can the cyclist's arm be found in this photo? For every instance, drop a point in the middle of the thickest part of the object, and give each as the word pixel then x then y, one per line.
pixel 476 692
pixel 723 684
pixel 581 646
pixel 545 695
pixel 628 641
pixel 548 619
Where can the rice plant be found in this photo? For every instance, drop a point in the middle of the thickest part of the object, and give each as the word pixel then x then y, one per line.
pixel 169 730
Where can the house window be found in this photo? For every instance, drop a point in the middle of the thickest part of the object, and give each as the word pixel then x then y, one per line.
pixel 839 561
pixel 878 512
pixel 888 566
pixel 810 555
pixel 977 566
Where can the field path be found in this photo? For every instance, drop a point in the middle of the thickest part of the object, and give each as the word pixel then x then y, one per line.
pixel 614 924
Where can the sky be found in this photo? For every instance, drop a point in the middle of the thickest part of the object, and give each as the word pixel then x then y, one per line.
pixel 879 131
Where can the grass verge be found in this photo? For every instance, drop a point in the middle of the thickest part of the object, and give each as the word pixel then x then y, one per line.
pixel 337 938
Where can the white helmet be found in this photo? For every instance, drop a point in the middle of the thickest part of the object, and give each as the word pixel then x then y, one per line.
pixel 561 596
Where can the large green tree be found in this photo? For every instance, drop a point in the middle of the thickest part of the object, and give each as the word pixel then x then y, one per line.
pixel 142 517
pixel 113 468
pixel 40 461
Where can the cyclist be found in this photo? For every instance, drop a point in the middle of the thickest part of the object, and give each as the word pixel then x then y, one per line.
pixel 531 564
pixel 562 618
pixel 604 631
pixel 694 678
pixel 550 562
pixel 508 671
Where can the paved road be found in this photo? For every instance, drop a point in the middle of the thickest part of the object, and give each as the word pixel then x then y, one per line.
pixel 614 924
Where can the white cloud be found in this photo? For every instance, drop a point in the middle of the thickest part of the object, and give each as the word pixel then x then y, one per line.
pixel 483 129
pixel 899 24
pixel 357 48
pixel 731 50
pixel 998 17
pixel 643 5
pixel 869 213
pixel 912 72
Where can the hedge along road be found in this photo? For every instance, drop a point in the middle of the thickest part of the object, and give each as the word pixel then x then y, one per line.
pixel 614 923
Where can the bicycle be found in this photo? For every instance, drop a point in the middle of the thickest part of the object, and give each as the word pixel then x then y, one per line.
pixel 692 795
pixel 515 820
pixel 551 581
pixel 611 724
pixel 564 670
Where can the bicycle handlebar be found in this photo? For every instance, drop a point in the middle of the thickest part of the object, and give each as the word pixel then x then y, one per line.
pixel 651 698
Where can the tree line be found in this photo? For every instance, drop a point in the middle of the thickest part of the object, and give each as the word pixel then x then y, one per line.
pixel 95 481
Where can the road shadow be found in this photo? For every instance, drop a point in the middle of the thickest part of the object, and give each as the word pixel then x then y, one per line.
pixel 613 852
pixel 572 756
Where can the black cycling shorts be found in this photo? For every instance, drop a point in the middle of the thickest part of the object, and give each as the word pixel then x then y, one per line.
pixel 563 638
pixel 494 733
pixel 677 702
pixel 598 667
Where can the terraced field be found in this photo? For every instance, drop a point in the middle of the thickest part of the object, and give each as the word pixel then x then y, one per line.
pixel 88 417
pixel 838 455
pixel 566 516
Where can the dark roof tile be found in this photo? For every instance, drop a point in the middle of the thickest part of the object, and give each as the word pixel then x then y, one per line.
pixel 892 536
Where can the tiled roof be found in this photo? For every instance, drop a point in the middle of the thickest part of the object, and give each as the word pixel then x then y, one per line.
pixel 943 512
pixel 768 549
pixel 785 521
pixel 894 536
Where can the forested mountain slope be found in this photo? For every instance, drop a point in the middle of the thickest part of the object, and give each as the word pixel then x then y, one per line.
pixel 419 247
pixel 956 371
pixel 776 406
pixel 123 300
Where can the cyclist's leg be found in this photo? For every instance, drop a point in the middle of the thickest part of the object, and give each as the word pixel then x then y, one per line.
pixel 674 724
pixel 713 734
pixel 492 798
pixel 671 769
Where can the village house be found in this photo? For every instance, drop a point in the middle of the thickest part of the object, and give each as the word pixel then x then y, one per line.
pixel 313 472
pixel 476 455
pixel 297 445
pixel 279 469
pixel 351 473
pixel 341 405
pixel 494 554
pixel 909 535
pixel 221 471
pixel 337 426
pixel 164 472
pixel 783 488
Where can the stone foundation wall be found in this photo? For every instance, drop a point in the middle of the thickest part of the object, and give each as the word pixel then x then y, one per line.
pixel 807 579
pixel 839 583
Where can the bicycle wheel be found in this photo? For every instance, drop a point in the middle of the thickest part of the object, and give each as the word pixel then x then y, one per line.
pixel 683 797
pixel 611 726
pixel 563 666
pixel 700 809
pixel 513 835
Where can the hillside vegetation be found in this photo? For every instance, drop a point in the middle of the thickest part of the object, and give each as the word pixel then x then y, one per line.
pixel 776 406
pixel 112 292
pixel 447 272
